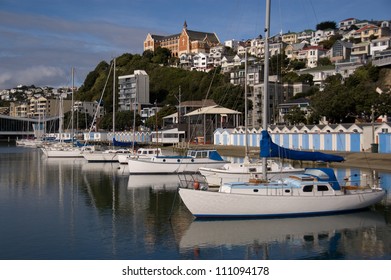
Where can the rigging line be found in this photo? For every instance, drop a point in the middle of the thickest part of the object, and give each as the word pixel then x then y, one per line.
pixel 193 132
pixel 313 10
pixel 279 10
pixel 100 100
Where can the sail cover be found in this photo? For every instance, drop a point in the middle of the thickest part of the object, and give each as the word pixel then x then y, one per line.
pixel 123 144
pixel 270 149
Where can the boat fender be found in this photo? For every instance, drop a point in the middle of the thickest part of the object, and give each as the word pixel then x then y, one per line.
pixel 196 185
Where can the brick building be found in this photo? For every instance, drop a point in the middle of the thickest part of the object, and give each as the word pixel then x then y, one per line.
pixel 188 41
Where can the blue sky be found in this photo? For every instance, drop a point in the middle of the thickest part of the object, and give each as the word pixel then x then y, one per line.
pixel 41 40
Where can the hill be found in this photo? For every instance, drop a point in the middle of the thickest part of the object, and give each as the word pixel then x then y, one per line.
pixel 164 83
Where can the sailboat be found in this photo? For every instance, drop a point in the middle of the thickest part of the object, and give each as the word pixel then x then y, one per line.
pixel 314 192
pixel 63 149
pixel 239 172
pixel 109 155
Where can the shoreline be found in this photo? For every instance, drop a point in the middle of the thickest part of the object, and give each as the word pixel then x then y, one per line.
pixel 364 160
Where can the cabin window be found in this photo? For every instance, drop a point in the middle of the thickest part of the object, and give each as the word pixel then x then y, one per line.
pixel 323 188
pixel 255 190
pixel 308 188
pixel 287 191
pixel 252 169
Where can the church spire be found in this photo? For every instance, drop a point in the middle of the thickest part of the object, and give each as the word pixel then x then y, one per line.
pixel 185 25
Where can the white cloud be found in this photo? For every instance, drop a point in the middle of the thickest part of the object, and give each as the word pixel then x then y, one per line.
pixel 41 50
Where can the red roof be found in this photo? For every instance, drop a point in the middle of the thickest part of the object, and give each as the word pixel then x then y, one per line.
pixel 368 26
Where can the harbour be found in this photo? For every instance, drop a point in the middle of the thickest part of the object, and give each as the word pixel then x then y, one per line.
pixel 70 209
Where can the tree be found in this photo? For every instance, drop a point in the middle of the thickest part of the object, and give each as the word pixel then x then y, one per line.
pixel 295 116
pixel 326 25
pixel 161 56
pixel 278 63
pixel 324 61
pixel 306 79
pixel 296 64
pixel 334 101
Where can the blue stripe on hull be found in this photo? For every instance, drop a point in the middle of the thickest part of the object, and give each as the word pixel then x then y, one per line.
pixel 272 216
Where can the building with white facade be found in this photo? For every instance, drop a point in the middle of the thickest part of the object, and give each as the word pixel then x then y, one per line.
pixel 133 89
pixel 378 45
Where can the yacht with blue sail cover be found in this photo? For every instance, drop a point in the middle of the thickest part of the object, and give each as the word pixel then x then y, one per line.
pixel 314 192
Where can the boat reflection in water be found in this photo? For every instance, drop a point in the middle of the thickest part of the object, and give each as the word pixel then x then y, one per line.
pixel 291 238
pixel 164 181
pixel 161 181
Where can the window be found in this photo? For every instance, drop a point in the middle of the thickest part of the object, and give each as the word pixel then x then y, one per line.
pixel 308 188
pixel 322 188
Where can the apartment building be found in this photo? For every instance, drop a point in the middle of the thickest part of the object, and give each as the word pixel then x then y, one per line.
pixel 133 89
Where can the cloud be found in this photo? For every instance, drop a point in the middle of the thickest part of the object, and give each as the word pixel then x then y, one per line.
pixel 42 49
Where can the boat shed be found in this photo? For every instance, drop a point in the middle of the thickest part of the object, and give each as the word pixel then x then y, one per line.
pixel 204 121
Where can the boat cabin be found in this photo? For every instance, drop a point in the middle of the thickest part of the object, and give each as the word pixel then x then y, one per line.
pixel 212 154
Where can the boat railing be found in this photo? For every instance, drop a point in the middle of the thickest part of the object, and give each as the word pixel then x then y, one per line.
pixel 192 180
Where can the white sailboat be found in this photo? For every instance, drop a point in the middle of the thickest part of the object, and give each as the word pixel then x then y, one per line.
pixel 315 192
pixel 62 149
pixel 109 155
pixel 189 163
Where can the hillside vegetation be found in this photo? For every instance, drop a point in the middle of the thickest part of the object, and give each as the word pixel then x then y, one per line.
pixel 164 83
pixel 342 100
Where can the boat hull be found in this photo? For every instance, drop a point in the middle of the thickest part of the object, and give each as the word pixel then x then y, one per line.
pixel 100 157
pixel 168 165
pixel 62 153
pixel 209 204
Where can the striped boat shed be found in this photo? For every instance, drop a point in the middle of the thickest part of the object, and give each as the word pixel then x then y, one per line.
pixel 337 137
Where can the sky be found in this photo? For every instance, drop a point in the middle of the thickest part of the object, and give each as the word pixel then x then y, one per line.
pixel 41 40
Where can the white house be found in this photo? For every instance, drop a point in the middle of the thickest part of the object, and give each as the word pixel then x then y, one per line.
pixel 378 45
pixel 200 62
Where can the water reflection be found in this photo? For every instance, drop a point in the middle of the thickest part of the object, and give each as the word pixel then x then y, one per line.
pixel 292 238
pixel 154 181
pixel 72 209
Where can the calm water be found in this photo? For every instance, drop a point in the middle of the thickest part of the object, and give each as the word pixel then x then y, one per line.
pixel 71 209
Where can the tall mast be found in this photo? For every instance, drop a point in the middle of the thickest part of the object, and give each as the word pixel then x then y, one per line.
pixel 265 102
pixel 134 116
pixel 246 158
pixel 73 107
pixel 113 100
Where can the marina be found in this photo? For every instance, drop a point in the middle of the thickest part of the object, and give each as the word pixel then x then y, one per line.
pixel 70 209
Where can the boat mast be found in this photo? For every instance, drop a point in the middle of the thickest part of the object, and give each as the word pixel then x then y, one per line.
pixel 73 107
pixel 246 157
pixel 156 129
pixel 113 100
pixel 134 119
pixel 266 83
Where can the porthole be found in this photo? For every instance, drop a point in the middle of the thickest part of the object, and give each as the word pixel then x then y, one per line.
pixel 192 160
pixel 164 160
pixel 287 191
pixel 178 160
pixel 255 190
